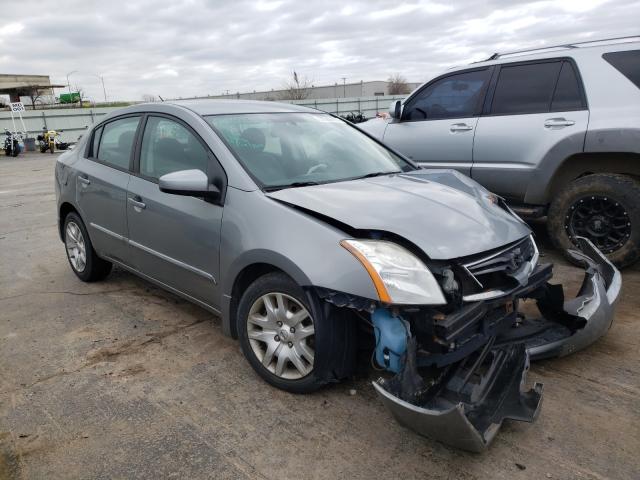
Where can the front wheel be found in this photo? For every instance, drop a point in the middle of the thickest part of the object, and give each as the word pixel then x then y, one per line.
pixel 15 149
pixel 605 208
pixel 290 338
pixel 52 147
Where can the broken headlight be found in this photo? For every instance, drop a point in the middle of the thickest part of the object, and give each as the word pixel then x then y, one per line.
pixel 398 275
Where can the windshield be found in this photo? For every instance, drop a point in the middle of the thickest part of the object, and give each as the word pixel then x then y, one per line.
pixel 282 150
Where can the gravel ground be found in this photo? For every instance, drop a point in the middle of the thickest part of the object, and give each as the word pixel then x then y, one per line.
pixel 120 380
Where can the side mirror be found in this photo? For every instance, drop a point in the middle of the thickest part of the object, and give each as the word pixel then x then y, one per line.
pixel 395 109
pixel 188 182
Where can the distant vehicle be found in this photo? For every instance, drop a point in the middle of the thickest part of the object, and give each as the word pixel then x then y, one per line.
pixel 555 131
pixel 50 140
pixel 295 227
pixel 12 143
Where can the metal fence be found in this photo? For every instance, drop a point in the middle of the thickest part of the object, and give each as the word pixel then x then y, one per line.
pixel 74 121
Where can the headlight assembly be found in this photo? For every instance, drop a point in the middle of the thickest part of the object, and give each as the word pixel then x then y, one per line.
pixel 398 275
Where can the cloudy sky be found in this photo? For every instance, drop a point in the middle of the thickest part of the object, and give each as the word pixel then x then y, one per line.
pixel 181 48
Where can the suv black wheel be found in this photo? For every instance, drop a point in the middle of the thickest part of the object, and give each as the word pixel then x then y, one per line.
pixel 605 208
pixel 291 338
pixel 80 253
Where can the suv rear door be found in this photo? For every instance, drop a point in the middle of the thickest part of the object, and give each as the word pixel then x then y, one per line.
pixel 438 122
pixel 533 109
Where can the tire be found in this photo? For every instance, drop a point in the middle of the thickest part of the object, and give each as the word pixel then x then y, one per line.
pixel 332 342
pixel 52 148
pixel 43 148
pixel 92 268
pixel 15 149
pixel 604 208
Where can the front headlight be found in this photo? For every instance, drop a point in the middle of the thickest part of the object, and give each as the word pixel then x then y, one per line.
pixel 398 275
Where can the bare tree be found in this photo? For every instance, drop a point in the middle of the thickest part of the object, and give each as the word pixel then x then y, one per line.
pixel 296 89
pixel 35 95
pixel 148 98
pixel 81 94
pixel 398 85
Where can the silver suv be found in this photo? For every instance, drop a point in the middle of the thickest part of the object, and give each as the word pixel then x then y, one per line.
pixel 555 131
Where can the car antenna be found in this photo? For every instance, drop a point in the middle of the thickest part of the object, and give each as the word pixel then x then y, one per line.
pixel 161 99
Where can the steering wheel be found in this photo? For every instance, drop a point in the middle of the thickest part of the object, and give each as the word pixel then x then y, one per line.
pixel 315 168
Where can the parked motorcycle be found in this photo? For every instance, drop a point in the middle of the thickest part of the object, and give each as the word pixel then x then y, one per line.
pixel 12 142
pixel 50 140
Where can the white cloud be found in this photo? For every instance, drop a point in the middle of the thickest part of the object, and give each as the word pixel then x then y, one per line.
pixel 181 48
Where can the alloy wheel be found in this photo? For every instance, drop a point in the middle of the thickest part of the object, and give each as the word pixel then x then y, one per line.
pixel 602 220
pixel 281 334
pixel 76 247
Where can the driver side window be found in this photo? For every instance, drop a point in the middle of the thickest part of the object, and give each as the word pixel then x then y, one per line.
pixel 455 96
pixel 168 146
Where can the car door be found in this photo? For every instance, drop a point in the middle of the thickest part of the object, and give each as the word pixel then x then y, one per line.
pixel 533 109
pixel 438 122
pixel 101 185
pixel 174 239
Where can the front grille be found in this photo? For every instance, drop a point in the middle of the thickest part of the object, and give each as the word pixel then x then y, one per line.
pixel 498 269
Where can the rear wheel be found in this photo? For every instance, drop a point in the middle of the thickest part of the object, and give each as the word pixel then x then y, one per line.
pixel 80 253
pixel 290 338
pixel 605 208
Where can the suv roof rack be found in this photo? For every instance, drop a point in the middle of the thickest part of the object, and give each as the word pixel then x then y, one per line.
pixel 587 43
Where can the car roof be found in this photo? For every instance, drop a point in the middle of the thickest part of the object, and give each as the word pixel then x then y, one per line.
pixel 208 106
pixel 577 50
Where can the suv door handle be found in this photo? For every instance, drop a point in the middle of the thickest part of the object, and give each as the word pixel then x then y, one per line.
pixel 84 180
pixel 558 122
pixel 460 127
pixel 137 203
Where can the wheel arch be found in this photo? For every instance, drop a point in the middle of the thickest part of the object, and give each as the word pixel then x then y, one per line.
pixel 253 265
pixel 65 209
pixel 583 164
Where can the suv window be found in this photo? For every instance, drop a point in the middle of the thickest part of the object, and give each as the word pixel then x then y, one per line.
pixel 627 63
pixel 116 141
pixel 168 146
pixel 454 96
pixel 568 95
pixel 525 88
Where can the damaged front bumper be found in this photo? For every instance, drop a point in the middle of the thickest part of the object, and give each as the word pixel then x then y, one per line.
pixel 462 400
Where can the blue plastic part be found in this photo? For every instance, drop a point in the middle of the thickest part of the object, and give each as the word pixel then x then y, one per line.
pixel 391 339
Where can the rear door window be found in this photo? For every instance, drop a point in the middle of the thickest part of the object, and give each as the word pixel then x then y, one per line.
pixel 116 142
pixel 568 94
pixel 627 63
pixel 455 96
pixel 525 88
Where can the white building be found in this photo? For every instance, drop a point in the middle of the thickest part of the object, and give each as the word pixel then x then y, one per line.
pixel 338 90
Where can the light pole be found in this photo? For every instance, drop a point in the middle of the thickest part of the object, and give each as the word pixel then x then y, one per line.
pixel 68 84
pixel 344 87
pixel 104 91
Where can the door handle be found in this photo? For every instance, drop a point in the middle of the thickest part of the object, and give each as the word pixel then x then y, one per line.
pixel 84 180
pixel 137 203
pixel 460 127
pixel 558 122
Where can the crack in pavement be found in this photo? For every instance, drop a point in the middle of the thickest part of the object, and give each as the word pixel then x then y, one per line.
pixel 65 292
pixel 108 354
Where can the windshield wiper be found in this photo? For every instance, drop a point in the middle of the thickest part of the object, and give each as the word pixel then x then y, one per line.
pixel 376 174
pixel 273 188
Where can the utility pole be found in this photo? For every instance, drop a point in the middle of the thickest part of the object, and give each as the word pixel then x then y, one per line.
pixel 68 84
pixel 104 90
pixel 344 87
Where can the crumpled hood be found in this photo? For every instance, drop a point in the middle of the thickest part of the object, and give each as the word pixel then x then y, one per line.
pixel 442 212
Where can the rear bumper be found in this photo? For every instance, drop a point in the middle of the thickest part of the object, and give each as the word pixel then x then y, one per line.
pixel 465 403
